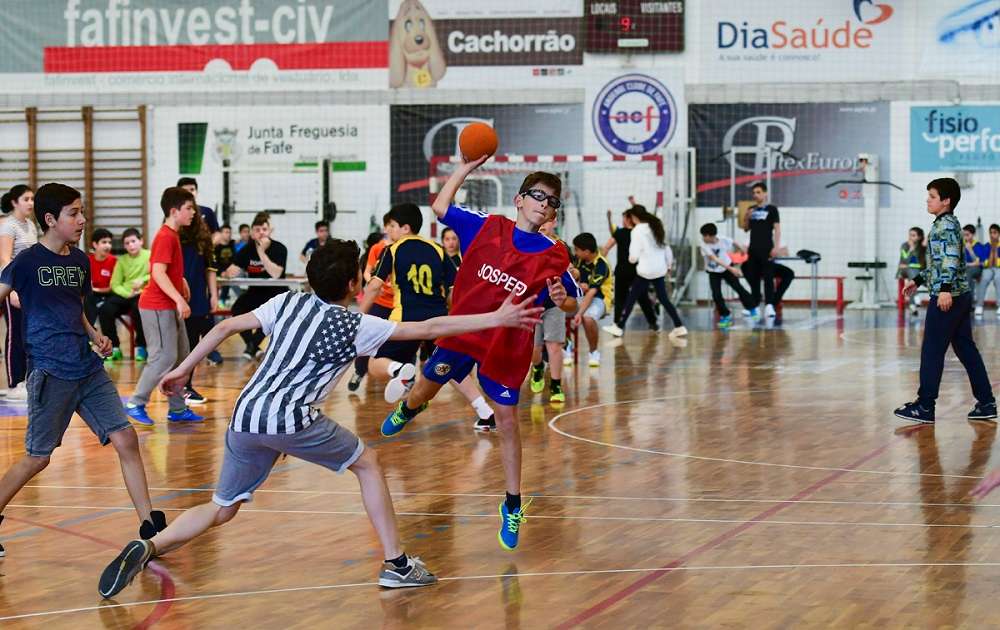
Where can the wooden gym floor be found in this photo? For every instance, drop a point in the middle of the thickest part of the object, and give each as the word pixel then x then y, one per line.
pixel 750 479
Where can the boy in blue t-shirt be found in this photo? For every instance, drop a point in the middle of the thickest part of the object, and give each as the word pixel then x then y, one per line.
pixel 65 376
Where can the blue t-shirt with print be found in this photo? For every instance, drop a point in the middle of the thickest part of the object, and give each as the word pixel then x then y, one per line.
pixel 467 224
pixel 51 288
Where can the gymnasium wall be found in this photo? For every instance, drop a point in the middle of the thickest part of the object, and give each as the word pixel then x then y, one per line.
pixel 231 65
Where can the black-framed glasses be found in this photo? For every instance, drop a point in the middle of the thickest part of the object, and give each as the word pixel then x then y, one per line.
pixel 541 195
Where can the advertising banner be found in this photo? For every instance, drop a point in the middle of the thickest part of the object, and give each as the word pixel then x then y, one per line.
pixel 955 138
pixel 166 45
pixel 789 40
pixel 420 132
pixel 275 158
pixel 812 145
pixel 960 38
pixel 463 44
pixel 635 113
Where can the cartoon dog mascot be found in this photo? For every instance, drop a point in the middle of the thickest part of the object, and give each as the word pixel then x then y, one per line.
pixel 415 57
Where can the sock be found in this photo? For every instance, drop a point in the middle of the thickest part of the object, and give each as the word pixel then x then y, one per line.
pixel 394 368
pixel 513 502
pixel 483 410
pixel 400 563
pixel 407 412
pixel 555 384
pixel 539 367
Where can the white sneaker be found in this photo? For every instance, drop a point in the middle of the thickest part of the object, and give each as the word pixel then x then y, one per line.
pixel 680 331
pixel 613 329
pixel 979 312
pixel 568 357
pixel 594 358
pixel 401 382
pixel 19 393
pixel 769 311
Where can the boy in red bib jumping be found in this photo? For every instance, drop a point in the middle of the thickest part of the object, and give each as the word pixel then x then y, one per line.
pixel 499 257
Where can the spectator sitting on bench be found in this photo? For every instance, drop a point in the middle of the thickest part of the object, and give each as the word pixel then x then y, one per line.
pixel 129 278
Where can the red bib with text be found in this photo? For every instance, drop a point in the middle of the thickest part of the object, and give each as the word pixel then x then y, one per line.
pixel 491 269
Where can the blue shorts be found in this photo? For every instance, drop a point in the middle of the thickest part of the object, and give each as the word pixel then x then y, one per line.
pixel 448 365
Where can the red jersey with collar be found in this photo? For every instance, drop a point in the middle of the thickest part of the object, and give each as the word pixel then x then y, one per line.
pixel 491 269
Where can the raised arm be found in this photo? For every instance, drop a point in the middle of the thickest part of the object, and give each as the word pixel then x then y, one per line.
pixel 447 193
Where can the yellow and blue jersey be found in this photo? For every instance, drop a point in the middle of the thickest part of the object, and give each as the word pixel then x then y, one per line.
pixel 421 275
pixel 597 275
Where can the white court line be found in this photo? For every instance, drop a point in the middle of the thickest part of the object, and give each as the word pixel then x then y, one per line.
pixel 564 517
pixel 323 587
pixel 572 497
pixel 554 420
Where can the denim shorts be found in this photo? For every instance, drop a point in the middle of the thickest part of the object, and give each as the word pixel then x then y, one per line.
pixel 250 456
pixel 52 402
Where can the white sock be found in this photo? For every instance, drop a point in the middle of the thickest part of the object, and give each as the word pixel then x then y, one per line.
pixel 483 410
pixel 394 368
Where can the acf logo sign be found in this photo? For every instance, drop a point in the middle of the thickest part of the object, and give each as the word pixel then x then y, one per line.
pixel 634 114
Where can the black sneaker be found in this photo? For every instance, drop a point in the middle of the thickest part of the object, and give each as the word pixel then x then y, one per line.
pixel 355 382
pixel 123 569
pixel 2 552
pixel 157 523
pixel 193 397
pixel 486 425
pixel 984 412
pixel 915 412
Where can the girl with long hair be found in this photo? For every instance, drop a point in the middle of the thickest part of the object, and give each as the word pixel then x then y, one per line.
pixel 652 257
pixel 18 232
pixel 199 273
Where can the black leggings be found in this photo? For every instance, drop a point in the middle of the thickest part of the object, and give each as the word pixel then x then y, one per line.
pixel 715 281
pixel 640 286
pixel 197 326
pixel 17 360
pixel 248 301
pixel 623 282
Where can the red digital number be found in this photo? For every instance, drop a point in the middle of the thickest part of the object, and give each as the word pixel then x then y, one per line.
pixel 626 24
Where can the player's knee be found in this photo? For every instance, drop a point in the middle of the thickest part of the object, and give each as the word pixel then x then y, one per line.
pixel 367 463
pixel 506 420
pixel 226 514
pixel 125 441
pixel 38 463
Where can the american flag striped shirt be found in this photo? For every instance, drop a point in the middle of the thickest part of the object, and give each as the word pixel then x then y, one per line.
pixel 312 344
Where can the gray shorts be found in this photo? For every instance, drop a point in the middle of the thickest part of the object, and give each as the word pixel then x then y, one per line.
pixel 552 326
pixel 596 310
pixel 250 456
pixel 52 402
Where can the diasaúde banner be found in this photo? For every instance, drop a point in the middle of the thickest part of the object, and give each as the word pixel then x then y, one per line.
pixel 460 44
pixel 790 40
pixel 955 138
pixel 813 150
pixel 205 45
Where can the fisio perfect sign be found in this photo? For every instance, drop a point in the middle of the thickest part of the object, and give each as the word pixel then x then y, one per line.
pixel 955 138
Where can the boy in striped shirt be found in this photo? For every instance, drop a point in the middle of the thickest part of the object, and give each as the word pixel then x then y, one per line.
pixel 314 340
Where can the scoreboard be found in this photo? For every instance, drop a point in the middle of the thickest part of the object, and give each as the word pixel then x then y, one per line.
pixel 639 25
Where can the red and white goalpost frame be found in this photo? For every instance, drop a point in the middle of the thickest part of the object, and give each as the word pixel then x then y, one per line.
pixel 492 166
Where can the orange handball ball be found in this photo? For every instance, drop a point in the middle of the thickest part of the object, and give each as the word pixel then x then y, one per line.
pixel 476 140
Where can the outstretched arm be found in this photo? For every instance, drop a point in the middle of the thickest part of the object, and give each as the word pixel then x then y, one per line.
pixel 174 381
pixel 509 315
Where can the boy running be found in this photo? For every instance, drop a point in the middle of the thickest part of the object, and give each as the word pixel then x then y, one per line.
pixel 949 313
pixel 65 376
pixel 499 257
pixel 314 339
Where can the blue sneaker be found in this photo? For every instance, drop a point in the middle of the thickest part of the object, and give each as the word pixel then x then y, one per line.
pixel 184 416
pixel 138 414
pixel 510 525
pixel 755 314
pixel 395 421
pixel 141 354
pixel 726 321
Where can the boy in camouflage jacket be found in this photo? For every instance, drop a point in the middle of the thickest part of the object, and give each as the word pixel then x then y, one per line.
pixel 949 314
